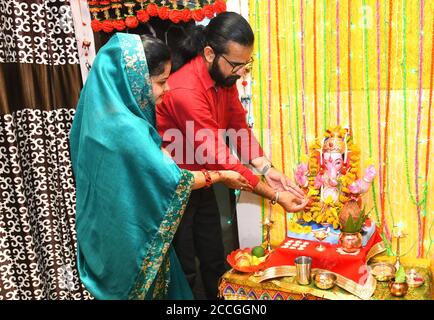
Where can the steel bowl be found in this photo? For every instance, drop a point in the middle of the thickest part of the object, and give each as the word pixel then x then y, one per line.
pixel 383 271
pixel 324 280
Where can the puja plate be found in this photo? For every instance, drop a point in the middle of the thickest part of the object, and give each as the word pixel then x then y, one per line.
pixel 233 257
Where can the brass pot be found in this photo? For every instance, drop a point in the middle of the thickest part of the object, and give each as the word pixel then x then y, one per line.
pixel 398 289
pixel 350 242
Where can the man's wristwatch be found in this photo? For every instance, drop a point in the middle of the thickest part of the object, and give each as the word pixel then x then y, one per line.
pixel 265 169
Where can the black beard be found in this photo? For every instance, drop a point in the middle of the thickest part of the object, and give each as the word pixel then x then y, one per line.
pixel 219 78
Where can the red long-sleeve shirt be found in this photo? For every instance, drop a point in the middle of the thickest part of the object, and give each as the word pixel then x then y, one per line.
pixel 191 119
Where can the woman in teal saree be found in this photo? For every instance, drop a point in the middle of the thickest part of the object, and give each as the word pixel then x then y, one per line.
pixel 130 195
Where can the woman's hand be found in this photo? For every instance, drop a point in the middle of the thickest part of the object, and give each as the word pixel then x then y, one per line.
pixel 235 180
pixel 291 202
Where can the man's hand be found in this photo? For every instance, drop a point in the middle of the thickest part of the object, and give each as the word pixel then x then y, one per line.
pixel 278 181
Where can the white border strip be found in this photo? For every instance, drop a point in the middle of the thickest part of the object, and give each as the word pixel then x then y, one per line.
pixel 83 32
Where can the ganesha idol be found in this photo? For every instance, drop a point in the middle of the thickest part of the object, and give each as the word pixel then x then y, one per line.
pixel 331 178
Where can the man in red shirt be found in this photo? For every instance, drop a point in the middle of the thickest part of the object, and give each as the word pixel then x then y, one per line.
pixel 200 108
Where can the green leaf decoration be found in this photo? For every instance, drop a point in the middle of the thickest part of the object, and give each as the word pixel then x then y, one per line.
pixel 400 275
pixel 352 226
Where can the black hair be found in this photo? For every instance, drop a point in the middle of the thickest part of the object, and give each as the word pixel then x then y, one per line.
pixel 157 54
pixel 225 27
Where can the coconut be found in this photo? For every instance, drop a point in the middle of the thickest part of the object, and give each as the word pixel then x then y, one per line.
pixel 350 208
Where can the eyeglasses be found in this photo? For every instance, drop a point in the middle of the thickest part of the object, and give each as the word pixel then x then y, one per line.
pixel 236 66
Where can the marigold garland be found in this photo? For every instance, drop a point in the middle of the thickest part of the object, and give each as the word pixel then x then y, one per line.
pixel 142 15
pixel 152 10
pixel 121 14
pixel 175 16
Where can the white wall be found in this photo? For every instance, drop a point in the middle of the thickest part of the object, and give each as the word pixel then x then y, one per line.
pixel 248 207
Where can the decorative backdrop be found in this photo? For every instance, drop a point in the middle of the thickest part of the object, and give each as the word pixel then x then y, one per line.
pixel 365 64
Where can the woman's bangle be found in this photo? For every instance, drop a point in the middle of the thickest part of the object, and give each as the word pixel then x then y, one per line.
pixel 275 198
pixel 208 180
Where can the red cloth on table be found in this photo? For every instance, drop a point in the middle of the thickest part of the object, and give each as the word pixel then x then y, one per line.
pixel 352 267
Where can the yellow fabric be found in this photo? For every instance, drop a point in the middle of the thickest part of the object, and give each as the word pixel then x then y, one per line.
pixel 398 205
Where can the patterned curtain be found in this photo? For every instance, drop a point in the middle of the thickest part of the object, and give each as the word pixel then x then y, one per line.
pixel 40 83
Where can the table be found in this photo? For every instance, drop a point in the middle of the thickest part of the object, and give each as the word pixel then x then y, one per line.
pixel 245 286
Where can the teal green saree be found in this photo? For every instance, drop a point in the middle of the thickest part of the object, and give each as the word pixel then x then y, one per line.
pixel 130 196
